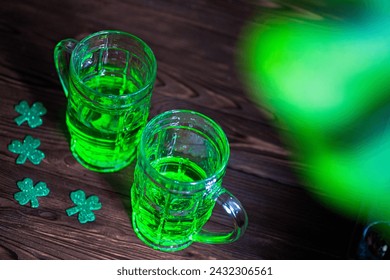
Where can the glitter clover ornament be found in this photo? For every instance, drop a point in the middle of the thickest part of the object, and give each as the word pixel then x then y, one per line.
pixel 27 150
pixel 30 193
pixel 30 114
pixel 84 206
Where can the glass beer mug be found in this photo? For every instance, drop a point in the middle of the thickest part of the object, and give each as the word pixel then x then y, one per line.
pixel 181 161
pixel 108 82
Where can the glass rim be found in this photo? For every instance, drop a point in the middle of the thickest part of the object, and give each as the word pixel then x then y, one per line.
pixel 217 174
pixel 146 47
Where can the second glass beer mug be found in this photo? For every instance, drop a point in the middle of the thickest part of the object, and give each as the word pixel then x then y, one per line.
pixel 108 82
pixel 182 157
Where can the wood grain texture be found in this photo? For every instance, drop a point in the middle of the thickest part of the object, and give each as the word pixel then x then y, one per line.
pixel 195 46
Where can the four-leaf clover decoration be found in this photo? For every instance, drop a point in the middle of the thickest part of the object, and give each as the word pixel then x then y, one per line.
pixel 84 206
pixel 30 193
pixel 27 150
pixel 31 115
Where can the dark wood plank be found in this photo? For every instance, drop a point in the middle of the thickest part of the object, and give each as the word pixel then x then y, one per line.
pixel 194 42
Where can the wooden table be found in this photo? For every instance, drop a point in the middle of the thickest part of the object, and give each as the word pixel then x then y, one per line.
pixel 195 46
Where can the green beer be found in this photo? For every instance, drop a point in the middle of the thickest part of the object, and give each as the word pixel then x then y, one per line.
pixel 101 138
pixel 183 216
pixel 109 86
pixel 181 160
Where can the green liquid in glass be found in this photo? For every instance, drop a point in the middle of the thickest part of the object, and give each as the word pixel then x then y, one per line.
pixel 167 220
pixel 179 169
pixel 105 140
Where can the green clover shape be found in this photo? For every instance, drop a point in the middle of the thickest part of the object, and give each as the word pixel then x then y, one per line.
pixel 30 193
pixel 31 115
pixel 84 207
pixel 27 150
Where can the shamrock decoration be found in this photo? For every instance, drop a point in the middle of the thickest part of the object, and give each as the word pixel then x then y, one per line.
pixel 31 115
pixel 27 150
pixel 84 207
pixel 30 193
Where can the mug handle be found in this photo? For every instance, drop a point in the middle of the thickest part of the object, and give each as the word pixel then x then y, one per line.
pixel 62 53
pixel 236 211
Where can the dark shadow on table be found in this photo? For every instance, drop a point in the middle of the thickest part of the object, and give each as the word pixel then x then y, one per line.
pixel 121 183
